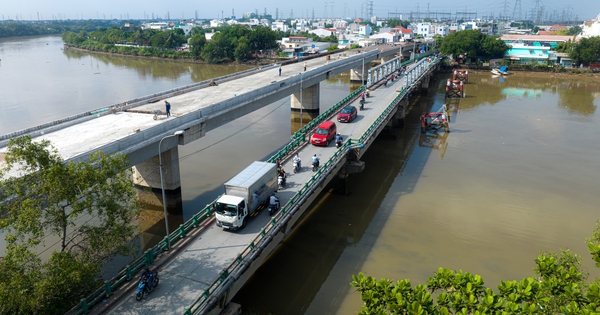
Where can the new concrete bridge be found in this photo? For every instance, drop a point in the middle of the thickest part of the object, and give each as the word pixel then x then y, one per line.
pixel 207 268
pixel 129 127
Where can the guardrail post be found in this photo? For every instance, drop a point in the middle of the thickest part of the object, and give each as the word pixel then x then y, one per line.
pixel 181 231
pixel 148 257
pixel 128 273
pixel 166 243
pixel 107 288
pixel 223 275
pixel 84 306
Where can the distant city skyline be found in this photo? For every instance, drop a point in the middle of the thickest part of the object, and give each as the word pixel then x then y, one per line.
pixel 186 9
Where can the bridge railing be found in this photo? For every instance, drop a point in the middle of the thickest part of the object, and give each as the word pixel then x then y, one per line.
pixel 246 256
pixel 258 243
pixel 300 136
pixel 298 139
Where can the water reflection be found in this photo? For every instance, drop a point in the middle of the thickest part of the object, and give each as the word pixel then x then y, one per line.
pixel 156 69
pixel 576 96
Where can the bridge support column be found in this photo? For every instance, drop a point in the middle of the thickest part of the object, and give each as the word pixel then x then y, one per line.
pixel 425 82
pixel 147 173
pixel 357 75
pixel 307 101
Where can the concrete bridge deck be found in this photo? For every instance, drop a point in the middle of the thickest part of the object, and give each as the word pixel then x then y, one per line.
pixel 190 273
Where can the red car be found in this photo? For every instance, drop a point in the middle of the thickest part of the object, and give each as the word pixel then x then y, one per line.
pixel 347 114
pixel 324 133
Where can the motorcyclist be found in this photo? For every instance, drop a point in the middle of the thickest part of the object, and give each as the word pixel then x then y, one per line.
pixel 297 160
pixel 315 160
pixel 281 173
pixel 362 96
pixel 273 200
pixel 147 276
pixel 338 139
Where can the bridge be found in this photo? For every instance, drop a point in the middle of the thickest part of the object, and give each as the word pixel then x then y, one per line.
pixel 207 265
pixel 129 127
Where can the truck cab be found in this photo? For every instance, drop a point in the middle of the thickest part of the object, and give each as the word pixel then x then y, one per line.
pixel 231 212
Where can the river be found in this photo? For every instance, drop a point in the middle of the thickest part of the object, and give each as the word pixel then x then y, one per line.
pixel 517 174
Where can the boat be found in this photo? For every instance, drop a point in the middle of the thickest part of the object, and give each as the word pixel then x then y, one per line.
pixel 503 70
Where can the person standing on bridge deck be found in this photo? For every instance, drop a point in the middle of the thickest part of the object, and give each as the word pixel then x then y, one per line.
pixel 168 108
pixel 305 66
pixel 279 70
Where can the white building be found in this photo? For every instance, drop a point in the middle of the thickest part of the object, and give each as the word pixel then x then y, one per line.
pixel 155 26
pixel 365 30
pixel 386 37
pixel 321 32
pixel 591 28
pixel 442 30
pixel 340 25
pixel 279 26
pixel 216 23
pixel 427 30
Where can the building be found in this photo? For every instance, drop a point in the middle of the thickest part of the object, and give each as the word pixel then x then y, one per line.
pixel 535 48
pixel 426 30
pixel 279 26
pixel 322 32
pixel 365 30
pixel 386 37
pixel 591 28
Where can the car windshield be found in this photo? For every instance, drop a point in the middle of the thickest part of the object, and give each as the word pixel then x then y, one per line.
pixel 226 209
pixel 347 110
pixel 321 131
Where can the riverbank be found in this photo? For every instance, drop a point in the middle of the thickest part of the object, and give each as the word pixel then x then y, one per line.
pixel 590 77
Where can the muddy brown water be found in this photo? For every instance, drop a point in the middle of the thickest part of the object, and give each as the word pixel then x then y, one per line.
pixel 518 173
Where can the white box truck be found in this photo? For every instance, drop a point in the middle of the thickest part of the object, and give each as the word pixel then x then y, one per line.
pixel 244 193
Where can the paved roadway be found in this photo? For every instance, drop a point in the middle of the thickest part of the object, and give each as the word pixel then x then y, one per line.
pixel 88 135
pixel 186 276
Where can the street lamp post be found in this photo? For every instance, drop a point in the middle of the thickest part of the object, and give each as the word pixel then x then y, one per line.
pixel 301 76
pixel 162 183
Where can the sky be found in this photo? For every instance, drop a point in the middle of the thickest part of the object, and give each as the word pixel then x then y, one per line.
pixel 185 9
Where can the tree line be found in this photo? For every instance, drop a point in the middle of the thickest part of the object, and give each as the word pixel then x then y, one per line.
pixel 38 28
pixel 227 44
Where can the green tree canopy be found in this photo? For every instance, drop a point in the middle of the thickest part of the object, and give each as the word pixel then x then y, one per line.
pixel 586 50
pixel 558 287
pixel 473 43
pixel 88 207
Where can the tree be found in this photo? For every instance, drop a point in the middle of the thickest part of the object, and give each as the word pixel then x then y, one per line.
pixel 242 50
pixel 473 43
pixel 197 43
pixel 586 50
pixel 218 49
pixel 52 196
pixel 55 199
pixel 558 287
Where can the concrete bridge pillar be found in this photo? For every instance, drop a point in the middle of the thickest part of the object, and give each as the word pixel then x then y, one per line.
pixel 147 173
pixel 358 75
pixel 307 100
pixel 425 82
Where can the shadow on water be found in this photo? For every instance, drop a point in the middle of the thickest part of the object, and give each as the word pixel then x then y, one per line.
pixel 284 284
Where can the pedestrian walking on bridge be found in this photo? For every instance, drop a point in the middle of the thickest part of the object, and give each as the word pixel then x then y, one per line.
pixel 168 108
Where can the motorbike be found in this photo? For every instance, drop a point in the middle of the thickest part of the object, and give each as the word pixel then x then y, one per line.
pixel 296 166
pixel 362 104
pixel 281 182
pixel 146 284
pixel 273 208
pixel 338 143
pixel 315 166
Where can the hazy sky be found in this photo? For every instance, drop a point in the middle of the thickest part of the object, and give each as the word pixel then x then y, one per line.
pixel 138 9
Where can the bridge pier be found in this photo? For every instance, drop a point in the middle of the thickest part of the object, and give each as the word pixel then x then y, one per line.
pixel 425 82
pixel 359 75
pixel 147 173
pixel 307 101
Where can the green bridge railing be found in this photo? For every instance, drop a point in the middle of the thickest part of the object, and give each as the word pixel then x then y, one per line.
pixel 298 139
